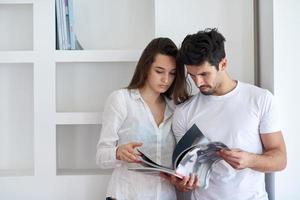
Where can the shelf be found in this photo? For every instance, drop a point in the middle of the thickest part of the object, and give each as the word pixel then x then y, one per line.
pixel 15 172
pixel 78 118
pixel 97 56
pixel 66 172
pixel 17 56
pixel 17 1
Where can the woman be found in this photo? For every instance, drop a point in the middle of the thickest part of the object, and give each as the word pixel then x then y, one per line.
pixel 140 116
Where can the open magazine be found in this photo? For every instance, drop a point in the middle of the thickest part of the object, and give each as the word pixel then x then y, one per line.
pixel 192 154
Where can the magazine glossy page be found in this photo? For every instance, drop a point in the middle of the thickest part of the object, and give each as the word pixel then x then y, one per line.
pixel 197 155
pixel 192 137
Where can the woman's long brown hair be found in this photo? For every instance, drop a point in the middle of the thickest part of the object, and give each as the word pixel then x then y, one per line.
pixel 182 87
pixel 164 46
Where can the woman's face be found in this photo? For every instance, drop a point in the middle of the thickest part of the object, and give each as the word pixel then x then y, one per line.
pixel 162 73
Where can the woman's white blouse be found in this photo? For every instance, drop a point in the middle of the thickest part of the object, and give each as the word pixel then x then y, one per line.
pixel 127 118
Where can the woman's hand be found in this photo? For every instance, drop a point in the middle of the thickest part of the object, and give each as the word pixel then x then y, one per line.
pixel 184 185
pixel 127 153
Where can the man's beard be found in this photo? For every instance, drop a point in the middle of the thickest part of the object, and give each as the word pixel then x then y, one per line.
pixel 207 92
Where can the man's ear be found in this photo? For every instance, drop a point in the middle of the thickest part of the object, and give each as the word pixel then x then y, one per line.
pixel 223 64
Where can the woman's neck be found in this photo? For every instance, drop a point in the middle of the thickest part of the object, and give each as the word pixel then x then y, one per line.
pixel 150 96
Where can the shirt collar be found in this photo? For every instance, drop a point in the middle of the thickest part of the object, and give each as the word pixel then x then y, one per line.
pixel 135 94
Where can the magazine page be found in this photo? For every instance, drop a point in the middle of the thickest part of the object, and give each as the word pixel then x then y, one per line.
pixel 156 171
pixel 204 173
pixel 150 150
pixel 202 153
pixel 146 160
pixel 188 163
pixel 150 167
pixel 192 137
pixel 199 160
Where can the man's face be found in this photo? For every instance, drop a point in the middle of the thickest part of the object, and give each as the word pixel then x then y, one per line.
pixel 206 77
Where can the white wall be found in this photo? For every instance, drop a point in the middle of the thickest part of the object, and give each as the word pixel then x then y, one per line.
pixel 265 48
pixel 233 18
pixel 286 87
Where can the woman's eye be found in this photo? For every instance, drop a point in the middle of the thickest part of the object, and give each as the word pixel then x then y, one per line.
pixel 159 72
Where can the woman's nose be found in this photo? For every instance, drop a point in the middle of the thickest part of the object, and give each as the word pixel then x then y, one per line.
pixel 165 78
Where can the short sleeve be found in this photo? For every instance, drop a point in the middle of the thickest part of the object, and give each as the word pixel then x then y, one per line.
pixel 179 123
pixel 269 118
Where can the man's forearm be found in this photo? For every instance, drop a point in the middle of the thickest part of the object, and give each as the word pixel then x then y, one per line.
pixel 270 161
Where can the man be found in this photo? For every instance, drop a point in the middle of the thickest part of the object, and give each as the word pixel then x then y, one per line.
pixel 240 115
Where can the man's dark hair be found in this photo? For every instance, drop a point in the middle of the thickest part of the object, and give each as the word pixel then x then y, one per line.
pixel 207 45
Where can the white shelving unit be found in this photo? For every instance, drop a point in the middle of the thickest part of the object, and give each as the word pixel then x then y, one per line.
pixel 51 100
pixel 85 78
pixel 62 97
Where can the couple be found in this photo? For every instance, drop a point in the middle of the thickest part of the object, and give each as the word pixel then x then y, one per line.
pixel 240 115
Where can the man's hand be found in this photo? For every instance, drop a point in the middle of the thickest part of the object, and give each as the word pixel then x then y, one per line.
pixel 237 158
pixel 127 153
pixel 185 184
pixel 272 159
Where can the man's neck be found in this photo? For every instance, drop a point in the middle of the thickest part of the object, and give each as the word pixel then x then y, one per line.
pixel 226 86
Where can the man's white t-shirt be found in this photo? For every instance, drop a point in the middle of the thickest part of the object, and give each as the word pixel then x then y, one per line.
pixel 237 119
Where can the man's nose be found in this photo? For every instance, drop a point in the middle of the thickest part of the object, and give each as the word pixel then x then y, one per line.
pixel 199 81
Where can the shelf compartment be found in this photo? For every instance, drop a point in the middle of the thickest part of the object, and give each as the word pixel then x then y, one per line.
pixel 97 56
pixel 17 21
pixel 84 87
pixel 76 149
pixel 16 119
pixel 98 28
